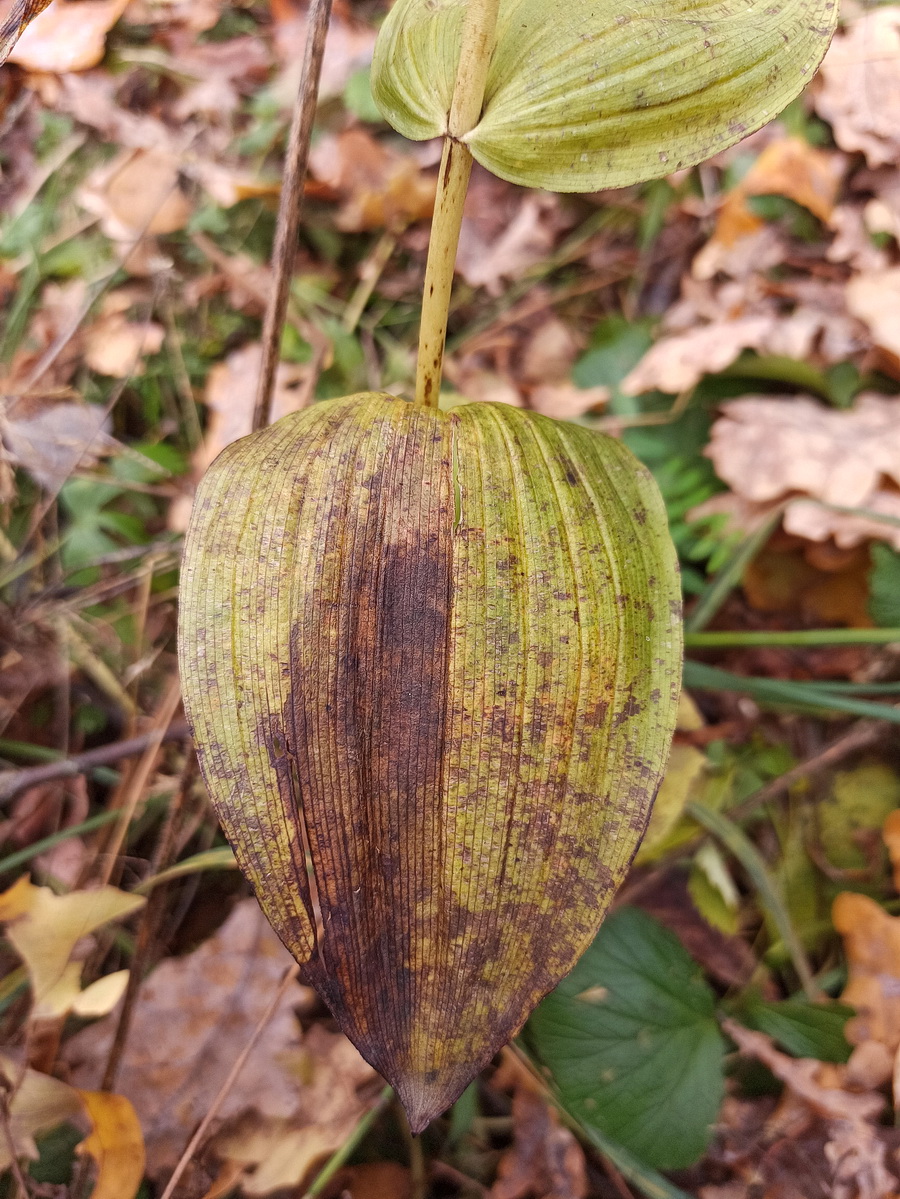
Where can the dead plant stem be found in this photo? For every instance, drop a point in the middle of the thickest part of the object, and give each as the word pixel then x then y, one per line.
pixel 290 205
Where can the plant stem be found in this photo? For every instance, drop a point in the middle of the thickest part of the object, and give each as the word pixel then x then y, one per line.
pixel 288 226
pixel 478 37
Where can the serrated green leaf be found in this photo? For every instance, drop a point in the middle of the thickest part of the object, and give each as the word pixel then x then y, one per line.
pixel 587 94
pixel 632 1042
pixel 431 662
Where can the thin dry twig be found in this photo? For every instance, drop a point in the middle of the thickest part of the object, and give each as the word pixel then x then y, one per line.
pixel 862 735
pixel 131 789
pixel 199 1136
pixel 14 782
pixel 290 205
pixel 148 928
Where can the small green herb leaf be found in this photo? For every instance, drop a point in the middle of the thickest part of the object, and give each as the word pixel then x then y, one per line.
pixel 632 1042
pixel 584 94
pixel 802 1028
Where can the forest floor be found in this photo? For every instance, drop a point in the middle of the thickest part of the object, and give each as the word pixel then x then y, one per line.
pixel 738 325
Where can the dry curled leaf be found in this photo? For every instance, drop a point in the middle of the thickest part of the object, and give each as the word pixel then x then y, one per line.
pixel 431 661
pixel 380 187
pixel 67 36
pixel 765 448
pixel 854 1151
pixel 116 1144
pixel 859 86
pixel 872 945
pixel 194 1015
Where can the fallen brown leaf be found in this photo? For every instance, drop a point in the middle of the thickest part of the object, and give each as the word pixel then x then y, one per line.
pixel 545 1160
pixel 854 1151
pixel 116 346
pixel 741 241
pixel 67 36
pixel 765 448
pixel 276 1152
pixel 51 442
pixel 874 297
pixel 858 92
pixel 872 945
pixel 193 1017
pixel 380 187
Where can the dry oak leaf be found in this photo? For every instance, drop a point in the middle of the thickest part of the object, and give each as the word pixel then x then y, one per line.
pixel 67 36
pixel 854 1151
pixel 764 448
pixel 676 363
pixel 874 297
pixel 815 522
pixel 193 1016
pixel 858 90
pixel 333 1086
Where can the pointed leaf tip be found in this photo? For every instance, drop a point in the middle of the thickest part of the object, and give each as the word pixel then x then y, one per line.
pixel 431 661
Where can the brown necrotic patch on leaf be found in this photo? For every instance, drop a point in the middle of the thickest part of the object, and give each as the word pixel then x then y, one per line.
pixel 430 707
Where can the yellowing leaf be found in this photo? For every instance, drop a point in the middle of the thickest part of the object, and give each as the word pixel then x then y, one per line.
pixel 38 1104
pixel 584 94
pixel 44 929
pixel 431 660
pixel 115 1143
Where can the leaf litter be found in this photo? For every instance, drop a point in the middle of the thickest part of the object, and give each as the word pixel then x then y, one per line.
pixel 779 255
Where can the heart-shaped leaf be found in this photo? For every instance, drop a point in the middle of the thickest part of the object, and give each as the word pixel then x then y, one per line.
pixel 588 94
pixel 632 1042
pixel 431 661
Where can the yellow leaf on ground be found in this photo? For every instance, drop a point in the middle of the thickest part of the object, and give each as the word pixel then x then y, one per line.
pixel 67 36
pixel 38 1104
pixel 44 929
pixel 116 1144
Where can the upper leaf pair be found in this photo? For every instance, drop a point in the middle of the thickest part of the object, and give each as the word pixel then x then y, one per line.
pixel 588 94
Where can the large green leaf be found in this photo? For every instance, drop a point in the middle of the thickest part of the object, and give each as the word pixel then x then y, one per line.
pixel 431 661
pixel 632 1042
pixel 585 94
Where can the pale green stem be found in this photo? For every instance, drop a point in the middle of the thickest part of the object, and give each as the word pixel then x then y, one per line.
pixel 478 38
